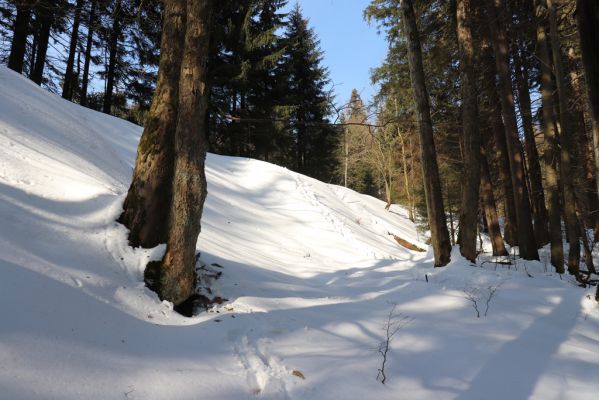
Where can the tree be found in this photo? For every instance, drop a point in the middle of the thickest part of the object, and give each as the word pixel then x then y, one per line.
pixel 471 135
pixel 430 171
pixel 497 21
pixel 355 146
pixel 551 155
pixel 165 199
pixel 67 89
pixel 177 272
pixel 113 47
pixel 19 39
pixel 567 146
pixel 307 102
pixel 88 53
pixel 44 12
pixel 587 15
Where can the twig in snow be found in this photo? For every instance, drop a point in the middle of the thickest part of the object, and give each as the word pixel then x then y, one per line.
pixel 394 323
pixel 474 295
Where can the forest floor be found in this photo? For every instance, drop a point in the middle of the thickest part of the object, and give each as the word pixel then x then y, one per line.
pixel 311 275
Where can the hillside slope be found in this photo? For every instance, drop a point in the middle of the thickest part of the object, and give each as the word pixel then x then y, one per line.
pixel 309 270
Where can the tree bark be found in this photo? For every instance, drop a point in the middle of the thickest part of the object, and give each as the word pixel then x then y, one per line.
pixel 537 196
pixel 147 205
pixel 489 207
pixel 189 185
pixel 16 59
pixel 69 81
pixel 114 47
pixel 430 170
pixel 551 156
pixel 567 145
pixel 587 16
pixel 510 224
pixel 45 15
pixel 468 219
pixel 88 53
pixel 526 239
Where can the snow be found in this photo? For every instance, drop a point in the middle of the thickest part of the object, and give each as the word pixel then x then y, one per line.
pixel 309 270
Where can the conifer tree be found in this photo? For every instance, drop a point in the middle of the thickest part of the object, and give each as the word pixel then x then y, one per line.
pixel 307 101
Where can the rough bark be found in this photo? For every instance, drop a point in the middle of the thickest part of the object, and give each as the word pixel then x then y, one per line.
pixel 526 239
pixel 146 208
pixel 430 170
pixel 113 49
pixel 88 53
pixel 189 184
pixel 551 156
pixel 489 207
pixel 567 145
pixel 510 224
pixel 587 16
pixel 16 59
pixel 537 196
pixel 69 81
pixel 470 134
pixel 44 14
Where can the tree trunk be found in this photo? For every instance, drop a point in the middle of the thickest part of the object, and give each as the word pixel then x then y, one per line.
pixel 567 146
pixel 585 182
pixel 146 208
pixel 430 170
pixel 510 225
pixel 587 16
pixel 526 239
pixel 470 134
pixel 189 185
pixel 551 156
pixel 69 81
pixel 88 53
pixel 114 46
pixel 537 196
pixel 16 59
pixel 489 208
pixel 45 15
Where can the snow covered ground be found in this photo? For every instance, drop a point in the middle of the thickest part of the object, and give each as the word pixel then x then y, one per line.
pixel 310 271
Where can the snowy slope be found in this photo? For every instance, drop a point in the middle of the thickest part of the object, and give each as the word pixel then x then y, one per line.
pixel 309 269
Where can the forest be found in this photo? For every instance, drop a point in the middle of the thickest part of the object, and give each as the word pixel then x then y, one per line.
pixel 486 121
pixel 307 199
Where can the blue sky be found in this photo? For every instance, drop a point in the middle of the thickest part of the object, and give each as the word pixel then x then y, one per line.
pixel 351 47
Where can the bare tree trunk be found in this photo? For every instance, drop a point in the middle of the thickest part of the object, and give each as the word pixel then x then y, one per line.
pixel 114 46
pixel 537 196
pixel 430 170
pixel 501 155
pixel 470 134
pixel 189 185
pixel 45 15
pixel 146 208
pixel 69 81
pixel 551 156
pixel 567 146
pixel 587 16
pixel 16 59
pixel 404 164
pixel 526 239
pixel 489 208
pixel 346 156
pixel 88 53
pixel 585 182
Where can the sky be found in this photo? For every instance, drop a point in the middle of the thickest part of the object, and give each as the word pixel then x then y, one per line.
pixel 351 47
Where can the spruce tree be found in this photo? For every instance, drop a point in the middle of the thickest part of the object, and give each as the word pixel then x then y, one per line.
pixel 307 101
